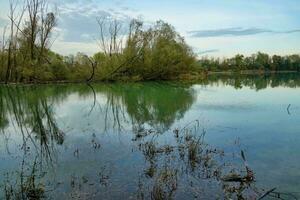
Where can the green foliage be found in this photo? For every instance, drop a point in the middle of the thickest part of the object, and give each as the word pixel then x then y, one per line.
pixel 160 52
pixel 259 61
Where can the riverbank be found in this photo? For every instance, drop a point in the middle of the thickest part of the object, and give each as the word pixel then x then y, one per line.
pixel 186 77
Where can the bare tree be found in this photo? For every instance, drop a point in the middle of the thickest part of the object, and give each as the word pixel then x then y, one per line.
pixel 33 10
pixel 10 43
pixel 15 16
pixel 17 22
pixel 36 34
pixel 3 46
pixel 48 22
pixel 102 41
pixel 110 41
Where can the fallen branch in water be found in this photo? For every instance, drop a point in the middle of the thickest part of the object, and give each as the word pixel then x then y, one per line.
pixel 288 109
pixel 267 193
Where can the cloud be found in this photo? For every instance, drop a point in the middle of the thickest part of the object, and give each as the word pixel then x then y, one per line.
pixel 291 31
pixel 77 28
pixel 208 51
pixel 125 8
pixel 78 24
pixel 236 31
pixel 3 22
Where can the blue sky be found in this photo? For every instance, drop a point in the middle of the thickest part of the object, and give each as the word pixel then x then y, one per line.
pixel 218 28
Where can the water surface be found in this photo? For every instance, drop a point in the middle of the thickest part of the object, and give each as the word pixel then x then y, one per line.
pixel 151 140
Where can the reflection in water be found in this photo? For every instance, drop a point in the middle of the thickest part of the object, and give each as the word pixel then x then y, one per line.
pixel 31 111
pixel 257 82
pixel 156 105
pixel 26 185
pixel 47 156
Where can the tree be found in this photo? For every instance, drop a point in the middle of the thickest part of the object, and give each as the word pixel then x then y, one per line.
pixel 277 63
pixel 262 60
pixel 31 46
pixel 239 61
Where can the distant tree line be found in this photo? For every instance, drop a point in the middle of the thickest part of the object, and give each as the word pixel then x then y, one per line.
pixel 132 52
pixel 259 61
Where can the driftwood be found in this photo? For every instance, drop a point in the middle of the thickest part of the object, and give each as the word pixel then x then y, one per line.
pixel 249 177
pixel 234 178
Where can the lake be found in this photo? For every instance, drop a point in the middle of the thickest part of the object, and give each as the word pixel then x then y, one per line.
pixel 153 140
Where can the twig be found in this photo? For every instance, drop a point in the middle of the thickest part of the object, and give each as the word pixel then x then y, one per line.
pixel 267 193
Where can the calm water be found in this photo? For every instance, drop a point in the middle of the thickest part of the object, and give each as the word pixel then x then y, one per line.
pixel 151 140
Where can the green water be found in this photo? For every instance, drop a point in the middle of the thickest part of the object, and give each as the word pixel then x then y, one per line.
pixel 151 140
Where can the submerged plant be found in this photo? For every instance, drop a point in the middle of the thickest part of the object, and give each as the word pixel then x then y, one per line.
pixel 27 186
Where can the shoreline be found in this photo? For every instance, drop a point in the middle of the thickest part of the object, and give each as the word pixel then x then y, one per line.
pixel 183 78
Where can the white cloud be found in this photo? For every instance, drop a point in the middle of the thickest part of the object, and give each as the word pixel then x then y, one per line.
pixel 66 48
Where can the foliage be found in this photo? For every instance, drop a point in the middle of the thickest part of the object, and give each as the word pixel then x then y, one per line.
pixel 259 61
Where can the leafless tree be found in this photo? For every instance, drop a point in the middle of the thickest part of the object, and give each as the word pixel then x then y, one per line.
pixel 3 46
pixel 15 20
pixel 10 42
pixel 15 15
pixel 110 41
pixel 48 22
pixel 41 24
pixel 33 10
pixel 36 34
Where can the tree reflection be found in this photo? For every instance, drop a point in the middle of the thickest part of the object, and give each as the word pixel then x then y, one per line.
pixel 30 111
pixel 25 184
pixel 257 81
pixel 157 105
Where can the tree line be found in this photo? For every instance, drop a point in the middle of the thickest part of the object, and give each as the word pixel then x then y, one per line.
pixel 260 61
pixel 133 51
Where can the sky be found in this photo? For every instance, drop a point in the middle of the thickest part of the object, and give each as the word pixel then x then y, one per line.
pixel 213 28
